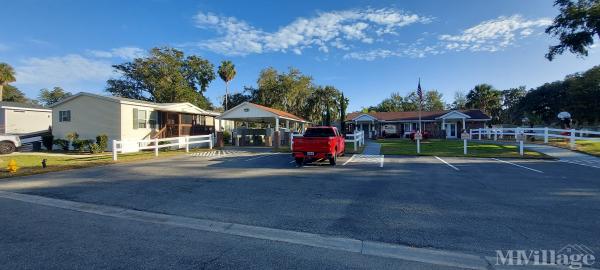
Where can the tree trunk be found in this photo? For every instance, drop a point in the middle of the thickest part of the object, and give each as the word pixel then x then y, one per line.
pixel 226 94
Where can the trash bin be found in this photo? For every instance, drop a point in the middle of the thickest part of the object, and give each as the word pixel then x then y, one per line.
pixel 37 146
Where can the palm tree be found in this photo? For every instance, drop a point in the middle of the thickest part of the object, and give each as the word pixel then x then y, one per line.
pixel 226 72
pixel 7 75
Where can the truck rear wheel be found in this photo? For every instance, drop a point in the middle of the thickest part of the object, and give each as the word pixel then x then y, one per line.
pixel 7 147
pixel 299 161
pixel 333 160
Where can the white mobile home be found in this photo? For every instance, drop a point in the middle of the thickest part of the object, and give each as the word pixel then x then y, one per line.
pixel 127 119
pixel 21 118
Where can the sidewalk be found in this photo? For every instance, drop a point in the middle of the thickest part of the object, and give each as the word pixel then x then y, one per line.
pixel 371 148
pixel 566 155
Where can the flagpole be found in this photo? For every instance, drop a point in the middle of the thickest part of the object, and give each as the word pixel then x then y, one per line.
pixel 420 106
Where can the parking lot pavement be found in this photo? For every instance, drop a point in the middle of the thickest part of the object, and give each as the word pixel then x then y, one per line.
pixel 40 237
pixel 483 206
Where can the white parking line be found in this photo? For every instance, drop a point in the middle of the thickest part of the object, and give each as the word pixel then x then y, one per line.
pixel 350 159
pixel 571 162
pixel 520 166
pixel 451 166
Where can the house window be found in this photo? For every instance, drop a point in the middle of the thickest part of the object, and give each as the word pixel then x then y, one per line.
pixel 64 116
pixel 140 118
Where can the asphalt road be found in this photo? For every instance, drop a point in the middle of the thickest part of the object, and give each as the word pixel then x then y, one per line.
pixel 475 206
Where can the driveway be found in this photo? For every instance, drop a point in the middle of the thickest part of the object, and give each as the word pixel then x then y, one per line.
pixel 466 205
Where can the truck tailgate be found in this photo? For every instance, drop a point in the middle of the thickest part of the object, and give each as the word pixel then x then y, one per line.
pixel 317 145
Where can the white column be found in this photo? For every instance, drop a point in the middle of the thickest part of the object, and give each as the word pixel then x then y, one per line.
pixel 276 123
pixel 464 124
pixel 287 124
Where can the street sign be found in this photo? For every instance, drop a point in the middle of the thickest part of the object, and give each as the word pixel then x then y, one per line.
pixel 418 135
pixel 465 136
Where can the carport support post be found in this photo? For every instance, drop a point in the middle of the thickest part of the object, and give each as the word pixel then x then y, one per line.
pixel 156 147
pixel 545 134
pixel 114 149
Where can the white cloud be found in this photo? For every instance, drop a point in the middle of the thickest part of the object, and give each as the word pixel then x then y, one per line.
pixel 490 36
pixel 493 35
pixel 324 30
pixel 62 71
pixel 126 53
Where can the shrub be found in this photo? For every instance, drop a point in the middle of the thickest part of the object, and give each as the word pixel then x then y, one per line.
pixel 62 143
pixel 79 145
pixel 95 148
pixel 72 136
pixel 48 142
pixel 164 148
pixel 226 136
pixel 102 141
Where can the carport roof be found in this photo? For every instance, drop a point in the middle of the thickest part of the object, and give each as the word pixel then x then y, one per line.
pixel 270 111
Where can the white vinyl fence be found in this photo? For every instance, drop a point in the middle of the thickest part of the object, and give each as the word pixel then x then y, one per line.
pixel 132 146
pixel 357 138
pixel 545 133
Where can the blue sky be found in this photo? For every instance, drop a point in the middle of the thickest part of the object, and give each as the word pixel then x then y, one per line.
pixel 368 49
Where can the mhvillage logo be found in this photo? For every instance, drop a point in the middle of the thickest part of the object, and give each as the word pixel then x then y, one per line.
pixel 573 256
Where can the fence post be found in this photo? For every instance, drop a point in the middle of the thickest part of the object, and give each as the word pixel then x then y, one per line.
pixel 210 143
pixel 187 144
pixel 470 133
pixel 156 147
pixel 479 132
pixel 572 139
pixel 114 149
pixel 545 134
pixel 465 146
pixel 355 143
pixel 418 146
pixel 495 134
pixel 521 147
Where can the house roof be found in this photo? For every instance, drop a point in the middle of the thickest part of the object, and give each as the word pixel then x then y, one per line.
pixel 22 105
pixel 474 114
pixel 158 106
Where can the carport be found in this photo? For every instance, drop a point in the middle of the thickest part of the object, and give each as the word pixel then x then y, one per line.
pixel 268 122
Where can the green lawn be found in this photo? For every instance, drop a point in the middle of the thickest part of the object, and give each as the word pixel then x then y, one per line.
pixel 32 164
pixel 452 148
pixel 350 149
pixel 587 147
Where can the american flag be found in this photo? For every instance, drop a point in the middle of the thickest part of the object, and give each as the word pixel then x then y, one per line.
pixel 420 92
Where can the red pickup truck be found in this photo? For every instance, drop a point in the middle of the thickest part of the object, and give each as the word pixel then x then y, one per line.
pixel 318 143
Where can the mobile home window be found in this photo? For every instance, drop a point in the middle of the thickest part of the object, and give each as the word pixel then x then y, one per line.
pixel 140 118
pixel 64 116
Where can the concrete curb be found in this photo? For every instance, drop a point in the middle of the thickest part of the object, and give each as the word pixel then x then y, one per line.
pixel 380 249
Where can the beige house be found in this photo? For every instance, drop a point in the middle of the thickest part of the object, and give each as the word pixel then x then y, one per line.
pixel 127 119
pixel 21 118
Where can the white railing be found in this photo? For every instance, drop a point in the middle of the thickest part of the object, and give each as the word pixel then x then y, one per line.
pixel 132 146
pixel 292 136
pixel 357 138
pixel 544 132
